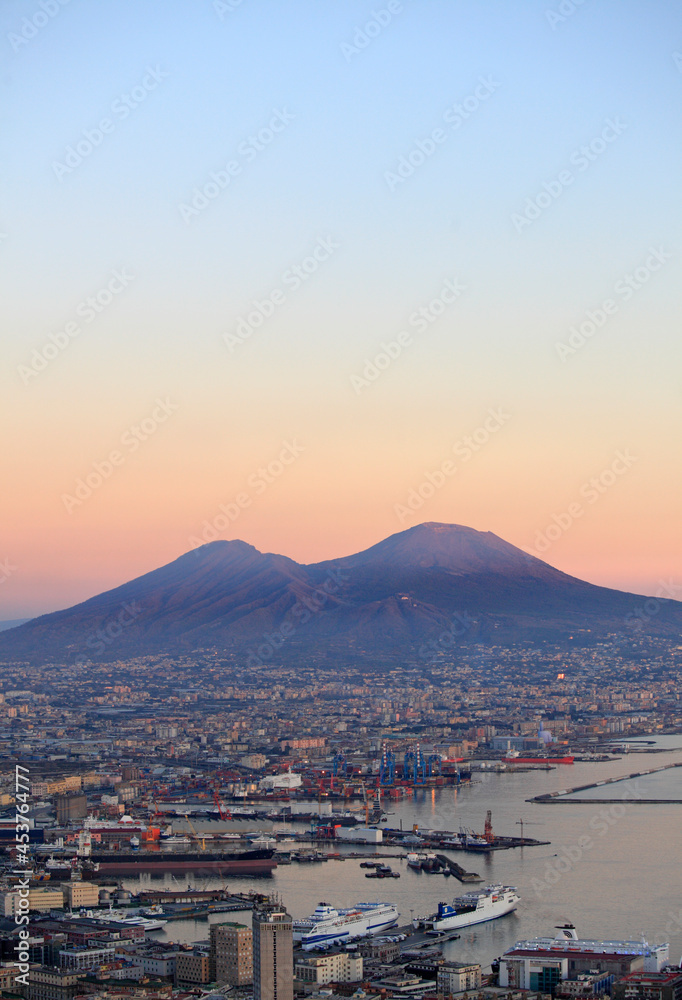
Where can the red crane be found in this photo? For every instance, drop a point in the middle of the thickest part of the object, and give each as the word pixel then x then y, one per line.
pixel 221 811
pixel 488 832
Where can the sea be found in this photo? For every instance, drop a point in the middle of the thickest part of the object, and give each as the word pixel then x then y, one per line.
pixel 613 869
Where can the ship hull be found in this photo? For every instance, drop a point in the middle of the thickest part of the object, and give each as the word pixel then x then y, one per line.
pixel 474 908
pixel 538 760
pixel 469 919
pixel 338 937
pixel 260 862
pixel 339 928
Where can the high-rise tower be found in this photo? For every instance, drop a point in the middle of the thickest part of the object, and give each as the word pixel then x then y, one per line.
pixel 273 954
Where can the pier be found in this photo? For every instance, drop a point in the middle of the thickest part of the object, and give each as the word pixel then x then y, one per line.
pixel 458 871
pixel 550 798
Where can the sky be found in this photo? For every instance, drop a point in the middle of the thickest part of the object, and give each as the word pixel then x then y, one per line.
pixel 309 273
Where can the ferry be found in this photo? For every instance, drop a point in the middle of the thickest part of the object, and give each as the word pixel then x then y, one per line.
pixel 122 918
pixel 472 908
pixel 328 925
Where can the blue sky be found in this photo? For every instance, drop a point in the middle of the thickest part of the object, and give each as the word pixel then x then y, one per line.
pixel 219 74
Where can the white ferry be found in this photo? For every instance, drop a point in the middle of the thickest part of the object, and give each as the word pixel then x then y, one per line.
pixel 124 918
pixel 328 925
pixel 472 908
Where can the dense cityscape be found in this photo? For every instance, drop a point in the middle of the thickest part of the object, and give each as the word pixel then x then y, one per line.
pixel 274 766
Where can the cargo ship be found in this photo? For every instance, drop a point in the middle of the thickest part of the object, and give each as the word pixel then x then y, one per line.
pixel 472 908
pixel 327 925
pixel 515 758
pixel 257 862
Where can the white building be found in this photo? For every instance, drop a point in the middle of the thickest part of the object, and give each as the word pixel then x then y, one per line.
pixel 343 967
pixel 362 834
pixel 456 977
pixel 86 958
pixel 286 780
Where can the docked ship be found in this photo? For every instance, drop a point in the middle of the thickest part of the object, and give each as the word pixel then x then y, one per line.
pixel 260 861
pixel 472 908
pixel 513 757
pixel 328 925
pixel 423 861
pixel 465 840
pixel 121 918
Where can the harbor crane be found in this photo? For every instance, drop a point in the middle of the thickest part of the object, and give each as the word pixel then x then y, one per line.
pixel 200 840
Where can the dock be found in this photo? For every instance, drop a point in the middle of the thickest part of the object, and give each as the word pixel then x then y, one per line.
pixel 551 798
pixel 458 871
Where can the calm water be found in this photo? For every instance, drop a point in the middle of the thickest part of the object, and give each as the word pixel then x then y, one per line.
pixel 614 870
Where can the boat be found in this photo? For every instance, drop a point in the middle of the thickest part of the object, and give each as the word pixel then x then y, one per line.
pixel 514 758
pixel 125 824
pixel 423 862
pixel 125 919
pixel 329 925
pixel 465 840
pixel 255 862
pixel 176 839
pixel 382 871
pixel 472 908
pixel 59 867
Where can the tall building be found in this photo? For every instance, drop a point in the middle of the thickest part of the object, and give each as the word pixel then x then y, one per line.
pixel 273 954
pixel 231 954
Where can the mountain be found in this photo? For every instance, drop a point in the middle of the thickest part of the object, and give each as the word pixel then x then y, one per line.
pixel 11 623
pixel 420 591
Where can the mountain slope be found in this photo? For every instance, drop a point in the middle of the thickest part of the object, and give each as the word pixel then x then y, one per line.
pixel 383 603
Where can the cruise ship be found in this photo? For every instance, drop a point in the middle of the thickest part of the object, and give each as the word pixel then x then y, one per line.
pixel 544 961
pixel 472 908
pixel 328 925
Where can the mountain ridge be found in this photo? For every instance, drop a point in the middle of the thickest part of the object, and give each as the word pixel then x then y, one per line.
pixel 384 603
